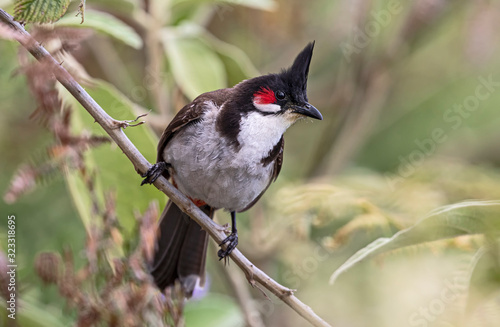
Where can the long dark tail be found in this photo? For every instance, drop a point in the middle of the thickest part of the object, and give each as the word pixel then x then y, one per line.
pixel 180 250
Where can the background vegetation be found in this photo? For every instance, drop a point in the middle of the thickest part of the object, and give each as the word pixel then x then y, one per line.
pixel 402 173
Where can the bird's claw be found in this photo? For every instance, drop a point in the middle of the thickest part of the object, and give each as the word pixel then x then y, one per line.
pixel 154 172
pixel 232 242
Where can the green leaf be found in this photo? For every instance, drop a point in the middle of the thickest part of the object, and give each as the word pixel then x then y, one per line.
pixel 120 7
pixel 238 64
pixel 255 4
pixel 466 218
pixel 213 310
pixel 484 275
pixel 196 68
pixel 105 24
pixel 201 10
pixel 40 11
pixel 114 172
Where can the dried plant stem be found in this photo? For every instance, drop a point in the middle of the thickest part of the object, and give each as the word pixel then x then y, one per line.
pixel 115 130
pixel 240 289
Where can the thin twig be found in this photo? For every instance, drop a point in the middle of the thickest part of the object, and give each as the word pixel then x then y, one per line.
pixel 113 128
pixel 127 123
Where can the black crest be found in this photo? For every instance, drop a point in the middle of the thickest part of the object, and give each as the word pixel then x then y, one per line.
pixel 297 74
pixel 293 81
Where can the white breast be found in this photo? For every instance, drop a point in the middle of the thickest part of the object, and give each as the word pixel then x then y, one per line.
pixel 260 133
pixel 207 168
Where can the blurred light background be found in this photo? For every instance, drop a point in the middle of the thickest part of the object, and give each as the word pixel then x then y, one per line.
pixel 410 93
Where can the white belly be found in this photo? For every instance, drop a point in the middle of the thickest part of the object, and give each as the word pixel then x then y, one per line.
pixel 206 168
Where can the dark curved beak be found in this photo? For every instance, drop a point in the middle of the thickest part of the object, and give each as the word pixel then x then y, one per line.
pixel 307 110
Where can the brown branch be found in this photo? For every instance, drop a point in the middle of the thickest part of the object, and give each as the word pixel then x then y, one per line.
pixel 114 129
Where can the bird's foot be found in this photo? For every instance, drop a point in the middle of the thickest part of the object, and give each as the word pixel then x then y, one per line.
pixel 154 172
pixel 232 242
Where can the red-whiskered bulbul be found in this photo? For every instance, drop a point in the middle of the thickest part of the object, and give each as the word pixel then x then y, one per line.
pixel 223 150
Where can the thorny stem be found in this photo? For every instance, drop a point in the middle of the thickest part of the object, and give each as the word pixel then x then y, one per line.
pixel 113 128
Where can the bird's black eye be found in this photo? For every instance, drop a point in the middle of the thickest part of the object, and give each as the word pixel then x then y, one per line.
pixel 280 95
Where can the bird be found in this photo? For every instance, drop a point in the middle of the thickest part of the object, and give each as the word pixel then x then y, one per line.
pixel 222 151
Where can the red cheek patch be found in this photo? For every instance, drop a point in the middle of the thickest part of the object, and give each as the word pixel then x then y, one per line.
pixel 264 96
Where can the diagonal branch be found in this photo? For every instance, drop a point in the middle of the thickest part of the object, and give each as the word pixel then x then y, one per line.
pixel 114 129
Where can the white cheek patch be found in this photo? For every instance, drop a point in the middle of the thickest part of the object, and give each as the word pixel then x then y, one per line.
pixel 267 107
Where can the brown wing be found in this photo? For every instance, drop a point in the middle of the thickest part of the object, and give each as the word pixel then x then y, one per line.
pixel 188 114
pixel 276 158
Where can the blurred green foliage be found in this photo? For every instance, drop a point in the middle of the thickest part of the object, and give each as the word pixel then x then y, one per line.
pixel 409 92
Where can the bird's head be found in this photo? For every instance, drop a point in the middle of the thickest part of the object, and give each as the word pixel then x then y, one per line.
pixel 282 97
pixel 285 93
